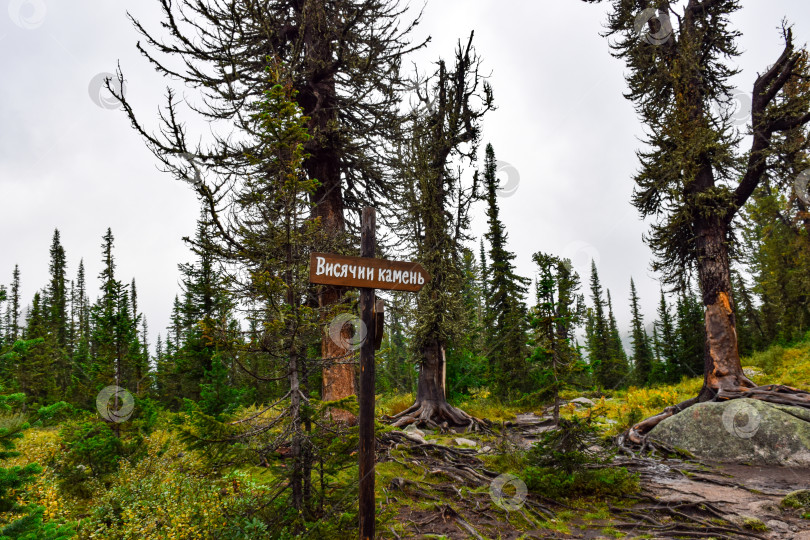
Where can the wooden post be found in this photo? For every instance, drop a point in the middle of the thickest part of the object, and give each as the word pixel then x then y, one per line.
pixel 367 441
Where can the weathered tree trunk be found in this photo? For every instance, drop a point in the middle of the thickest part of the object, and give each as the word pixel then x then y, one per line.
pixel 722 369
pixel 338 376
pixel 723 377
pixel 318 101
pixel 431 408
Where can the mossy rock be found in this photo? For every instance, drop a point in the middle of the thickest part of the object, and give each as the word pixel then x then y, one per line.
pixel 797 499
pixel 754 524
pixel 740 431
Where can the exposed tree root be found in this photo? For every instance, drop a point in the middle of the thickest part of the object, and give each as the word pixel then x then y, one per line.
pixel 772 393
pixel 438 415
pixel 462 467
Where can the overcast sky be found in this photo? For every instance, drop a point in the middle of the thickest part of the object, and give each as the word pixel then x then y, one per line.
pixel 69 160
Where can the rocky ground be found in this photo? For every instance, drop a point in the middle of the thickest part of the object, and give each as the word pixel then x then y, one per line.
pixel 679 498
pixel 748 496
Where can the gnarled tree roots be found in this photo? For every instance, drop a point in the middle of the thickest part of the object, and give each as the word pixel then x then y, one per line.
pixel 772 393
pixel 438 415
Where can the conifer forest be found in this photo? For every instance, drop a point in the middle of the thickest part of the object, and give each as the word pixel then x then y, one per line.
pixel 386 269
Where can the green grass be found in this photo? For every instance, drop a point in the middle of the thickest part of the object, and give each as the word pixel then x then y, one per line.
pixel 188 497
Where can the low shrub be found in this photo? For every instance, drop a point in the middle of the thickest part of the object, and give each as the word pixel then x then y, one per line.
pixel 601 482
pixel 92 451
pixel 571 462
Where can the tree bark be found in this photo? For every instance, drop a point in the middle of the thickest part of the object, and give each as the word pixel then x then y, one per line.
pixel 431 408
pixel 722 370
pixel 338 375
pixel 318 100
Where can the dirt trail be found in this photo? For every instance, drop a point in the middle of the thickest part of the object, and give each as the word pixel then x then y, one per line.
pixel 678 499
pixel 738 491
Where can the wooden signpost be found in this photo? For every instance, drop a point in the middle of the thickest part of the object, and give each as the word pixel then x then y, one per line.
pixel 364 272
pixel 368 274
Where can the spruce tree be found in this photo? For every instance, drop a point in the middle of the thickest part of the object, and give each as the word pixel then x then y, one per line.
pixel 114 329
pixel 506 313
pixel 13 326
pixel 615 345
pixel 3 298
pixel 642 353
pixel 396 366
pixel 610 371
pixel 691 329
pixel 200 322
pixel 554 319
pixel 749 330
pixel 81 358
pixel 466 364
pixel 56 305
pixel 57 296
pixel 34 357
pixel 667 341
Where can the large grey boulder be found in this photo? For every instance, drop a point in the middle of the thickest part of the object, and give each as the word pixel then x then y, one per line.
pixel 740 431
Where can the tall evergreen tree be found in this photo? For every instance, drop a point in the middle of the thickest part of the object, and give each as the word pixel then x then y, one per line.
pixel 615 345
pixel 466 364
pixel 610 370
pixel 667 341
pixel 3 334
pixel 451 129
pixel 692 180
pixel 506 313
pixel 342 59
pixel 81 341
pixel 201 321
pixel 13 319
pixel 114 329
pixel 397 370
pixel 749 329
pixel 691 328
pixel 642 353
pixel 34 358
pixel 57 295
pixel 554 319
pixel 56 305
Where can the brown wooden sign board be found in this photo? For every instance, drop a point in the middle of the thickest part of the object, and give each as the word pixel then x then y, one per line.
pixel 368 272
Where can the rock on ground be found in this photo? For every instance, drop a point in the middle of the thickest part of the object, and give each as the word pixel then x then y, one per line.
pixel 740 431
pixel 583 401
pixel 465 442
